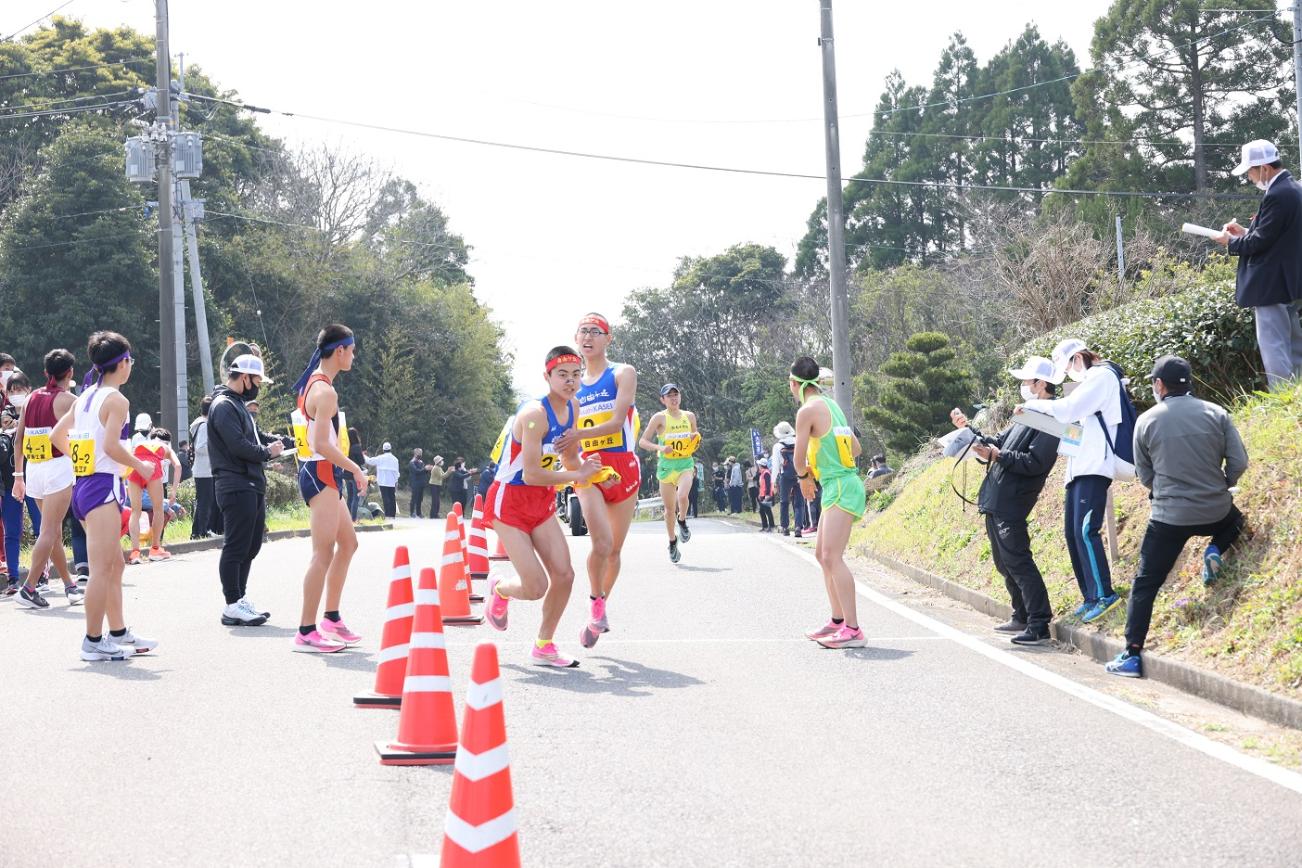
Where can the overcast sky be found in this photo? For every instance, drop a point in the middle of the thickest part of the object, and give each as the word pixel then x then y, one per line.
pixel 720 82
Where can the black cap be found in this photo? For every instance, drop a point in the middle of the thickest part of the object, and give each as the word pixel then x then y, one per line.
pixel 1172 369
pixel 669 387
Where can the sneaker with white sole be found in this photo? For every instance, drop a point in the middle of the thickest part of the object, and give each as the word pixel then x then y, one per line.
pixel 105 649
pixel 829 629
pixel 497 609
pixel 31 598
pixel 549 656
pixel 249 606
pixel 237 615
pixel 137 644
pixel 315 643
pixel 76 596
pixel 845 638
pixel 338 631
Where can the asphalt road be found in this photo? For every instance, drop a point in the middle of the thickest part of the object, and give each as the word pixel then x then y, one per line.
pixel 701 731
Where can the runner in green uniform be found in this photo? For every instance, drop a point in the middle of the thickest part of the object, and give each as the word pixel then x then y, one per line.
pixel 826 449
pixel 672 435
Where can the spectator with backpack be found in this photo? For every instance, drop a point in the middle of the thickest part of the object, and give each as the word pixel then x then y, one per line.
pixel 764 490
pixel 1101 406
pixel 783 466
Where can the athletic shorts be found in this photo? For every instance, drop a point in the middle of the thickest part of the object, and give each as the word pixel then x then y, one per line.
pixel 670 469
pixel 48 477
pixel 629 470
pixel 153 460
pixel 91 492
pixel 845 493
pixel 523 507
pixel 315 477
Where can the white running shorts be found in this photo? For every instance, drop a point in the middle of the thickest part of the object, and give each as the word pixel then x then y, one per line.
pixel 48 477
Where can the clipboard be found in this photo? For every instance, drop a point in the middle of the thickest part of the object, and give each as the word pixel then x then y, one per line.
pixel 1069 434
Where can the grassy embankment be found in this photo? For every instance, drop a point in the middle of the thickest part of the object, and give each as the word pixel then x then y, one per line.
pixel 1248 626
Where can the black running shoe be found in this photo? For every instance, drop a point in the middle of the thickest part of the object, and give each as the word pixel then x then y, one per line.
pixel 674 556
pixel 32 599
pixel 1031 637
pixel 683 533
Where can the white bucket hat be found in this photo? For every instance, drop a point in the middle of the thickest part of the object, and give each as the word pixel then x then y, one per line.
pixel 1255 153
pixel 250 364
pixel 783 429
pixel 1039 368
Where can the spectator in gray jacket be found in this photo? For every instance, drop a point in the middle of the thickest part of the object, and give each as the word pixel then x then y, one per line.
pixel 1189 455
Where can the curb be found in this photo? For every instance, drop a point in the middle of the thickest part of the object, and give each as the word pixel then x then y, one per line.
pixel 1241 697
pixel 200 545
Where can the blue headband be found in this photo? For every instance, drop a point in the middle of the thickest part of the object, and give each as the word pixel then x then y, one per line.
pixel 316 360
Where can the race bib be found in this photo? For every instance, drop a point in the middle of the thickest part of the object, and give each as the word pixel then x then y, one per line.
pixel 682 444
pixel 550 460
pixel 36 444
pixel 844 435
pixel 81 446
pixel 344 441
pixel 496 455
pixel 599 413
pixel 299 423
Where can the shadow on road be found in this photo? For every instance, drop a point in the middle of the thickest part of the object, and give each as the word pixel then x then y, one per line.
pixel 120 669
pixel 693 569
pixel 620 678
pixel 871 653
pixel 262 632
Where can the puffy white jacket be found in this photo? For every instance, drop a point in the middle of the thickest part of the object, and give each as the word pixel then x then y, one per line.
pixel 1099 391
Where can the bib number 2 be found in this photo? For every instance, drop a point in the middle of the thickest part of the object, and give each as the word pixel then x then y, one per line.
pixel 82 452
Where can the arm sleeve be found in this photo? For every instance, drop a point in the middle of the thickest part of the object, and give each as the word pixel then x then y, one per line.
pixel 1143 461
pixel 1236 456
pixel 1085 399
pixel 223 419
pixel 1272 215
pixel 1036 460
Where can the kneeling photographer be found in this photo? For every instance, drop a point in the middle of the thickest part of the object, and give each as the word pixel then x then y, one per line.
pixel 1018 462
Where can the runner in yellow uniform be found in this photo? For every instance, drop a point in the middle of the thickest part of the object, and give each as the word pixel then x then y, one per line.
pixel 672 434
pixel 826 449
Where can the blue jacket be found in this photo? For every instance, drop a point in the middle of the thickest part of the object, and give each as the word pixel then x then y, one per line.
pixel 1270 252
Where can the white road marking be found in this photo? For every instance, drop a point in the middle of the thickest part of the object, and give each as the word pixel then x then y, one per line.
pixel 1174 731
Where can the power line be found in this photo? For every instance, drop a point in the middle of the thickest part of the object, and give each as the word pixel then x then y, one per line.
pixel 71 110
pixel 67 69
pixel 38 20
pixel 1021 139
pixel 116 237
pixel 43 106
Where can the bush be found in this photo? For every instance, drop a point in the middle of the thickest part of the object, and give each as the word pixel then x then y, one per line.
pixel 1202 325
pixel 282 490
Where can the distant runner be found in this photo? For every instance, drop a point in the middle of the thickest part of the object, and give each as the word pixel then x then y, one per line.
pixel 673 436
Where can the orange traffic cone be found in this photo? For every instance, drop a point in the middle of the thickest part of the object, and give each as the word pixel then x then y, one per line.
pixel 500 554
pixel 480 831
pixel 463 530
pixel 427 727
pixel 393 645
pixel 477 561
pixel 454 586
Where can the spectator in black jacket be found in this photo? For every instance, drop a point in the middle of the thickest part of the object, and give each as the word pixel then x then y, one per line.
pixel 1019 461
pixel 419 473
pixel 237 454
pixel 1269 278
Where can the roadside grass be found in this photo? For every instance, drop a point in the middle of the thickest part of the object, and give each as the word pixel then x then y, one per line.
pixel 1247 626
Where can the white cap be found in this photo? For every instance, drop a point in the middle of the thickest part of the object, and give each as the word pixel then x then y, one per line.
pixel 763 462
pixel 143 422
pixel 1064 351
pixel 250 364
pixel 1255 153
pixel 386 447
pixel 1038 368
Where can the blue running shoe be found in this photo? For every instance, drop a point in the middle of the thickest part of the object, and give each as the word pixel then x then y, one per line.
pixel 1127 665
pixel 1083 608
pixel 1211 564
pixel 1101 608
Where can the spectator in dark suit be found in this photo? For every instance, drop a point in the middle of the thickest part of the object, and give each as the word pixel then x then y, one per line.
pixel 418 472
pixel 1269 278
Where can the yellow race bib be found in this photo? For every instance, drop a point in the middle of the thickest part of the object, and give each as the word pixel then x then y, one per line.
pixel 601 413
pixel 36 444
pixel 844 435
pixel 82 452
pixel 682 445
pixel 299 422
pixel 344 441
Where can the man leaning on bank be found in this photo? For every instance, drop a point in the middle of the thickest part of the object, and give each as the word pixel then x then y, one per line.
pixel 1269 277
pixel 1189 455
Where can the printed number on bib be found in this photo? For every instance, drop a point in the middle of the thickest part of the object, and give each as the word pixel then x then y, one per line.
pixel 299 422
pixel 608 441
pixel 844 435
pixel 82 452
pixel 550 460
pixel 36 444
pixel 344 442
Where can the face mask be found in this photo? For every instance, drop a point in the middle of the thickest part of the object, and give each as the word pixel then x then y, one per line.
pixel 1157 398
pixel 1260 185
pixel 1076 376
pixel 18 400
pixel 250 392
pixel 1027 393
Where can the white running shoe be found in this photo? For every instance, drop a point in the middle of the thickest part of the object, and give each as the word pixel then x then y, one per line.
pixel 239 615
pixel 137 644
pixel 249 607
pixel 104 649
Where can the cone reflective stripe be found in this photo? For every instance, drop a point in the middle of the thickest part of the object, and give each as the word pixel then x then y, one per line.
pixel 454 584
pixel 477 561
pixel 398 617
pixel 427 726
pixel 463 529
pixel 480 829
pixel 500 554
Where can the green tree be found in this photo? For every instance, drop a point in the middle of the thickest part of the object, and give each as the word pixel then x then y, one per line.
pixel 916 389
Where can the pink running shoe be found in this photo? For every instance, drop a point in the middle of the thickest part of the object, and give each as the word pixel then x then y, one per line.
pixel 315 643
pixel 599 615
pixel 831 628
pixel 845 638
pixel 337 631
pixel 549 656
pixel 495 611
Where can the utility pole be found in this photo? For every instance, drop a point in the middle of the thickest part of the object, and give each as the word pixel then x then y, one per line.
pixel 1297 62
pixel 840 306
pixel 178 280
pixel 170 397
pixel 1121 256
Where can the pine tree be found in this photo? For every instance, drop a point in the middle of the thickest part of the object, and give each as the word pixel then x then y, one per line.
pixel 917 387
